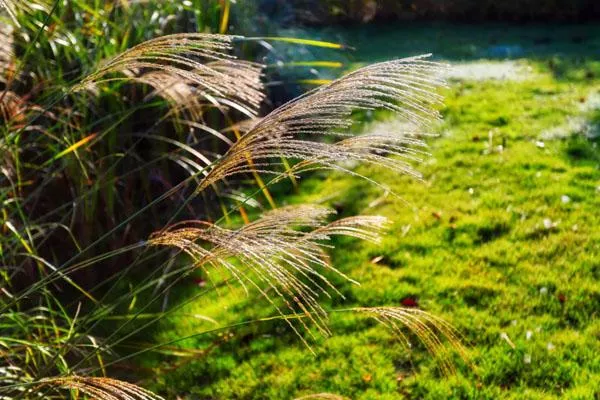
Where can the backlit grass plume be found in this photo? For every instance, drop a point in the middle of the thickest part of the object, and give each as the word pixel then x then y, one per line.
pixel 406 86
pixel 321 396
pixel 6 50
pixel 280 255
pixel 101 388
pixel 438 336
pixel 199 62
pixel 178 92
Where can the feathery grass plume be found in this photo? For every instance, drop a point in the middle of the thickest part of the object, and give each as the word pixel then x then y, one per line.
pixel 438 336
pixel 322 396
pixel 102 388
pixel 199 61
pixel 6 50
pixel 406 86
pixel 402 140
pixel 370 148
pixel 13 7
pixel 282 252
pixel 178 92
pixel 243 126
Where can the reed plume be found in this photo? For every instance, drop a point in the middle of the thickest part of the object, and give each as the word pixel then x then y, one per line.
pixel 437 335
pixel 321 396
pixel 178 92
pixel 282 252
pixel 102 388
pixel 406 86
pixel 186 67
pixel 6 50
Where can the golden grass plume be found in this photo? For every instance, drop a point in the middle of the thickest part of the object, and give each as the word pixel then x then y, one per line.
pixel 281 254
pixel 6 50
pixel 321 396
pixel 438 336
pixel 406 86
pixel 186 67
pixel 101 388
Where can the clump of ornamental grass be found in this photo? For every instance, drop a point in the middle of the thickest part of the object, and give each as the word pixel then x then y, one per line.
pixel 281 253
pixel 321 396
pixel 100 388
pixel 6 50
pixel 404 86
pixel 186 68
pixel 118 169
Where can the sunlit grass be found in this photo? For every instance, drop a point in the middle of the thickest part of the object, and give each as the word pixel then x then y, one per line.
pixel 502 244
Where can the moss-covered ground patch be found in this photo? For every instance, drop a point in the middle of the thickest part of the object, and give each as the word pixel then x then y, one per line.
pixel 501 239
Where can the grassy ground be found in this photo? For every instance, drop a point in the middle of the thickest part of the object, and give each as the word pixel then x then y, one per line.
pixel 501 240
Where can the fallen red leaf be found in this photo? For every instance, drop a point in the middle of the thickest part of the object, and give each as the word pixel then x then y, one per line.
pixel 410 302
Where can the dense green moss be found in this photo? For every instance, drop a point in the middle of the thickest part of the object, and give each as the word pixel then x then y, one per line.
pixel 500 241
